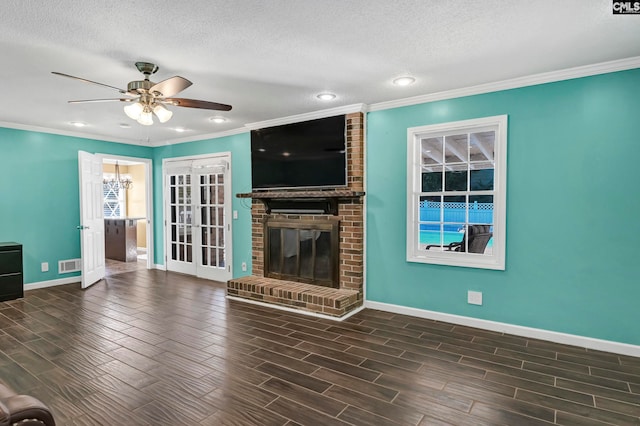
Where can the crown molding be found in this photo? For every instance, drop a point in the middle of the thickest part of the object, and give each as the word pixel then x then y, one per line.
pixel 199 137
pixel 50 131
pixel 514 83
pixel 347 109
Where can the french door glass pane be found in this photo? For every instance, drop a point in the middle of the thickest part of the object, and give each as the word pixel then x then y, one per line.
pixel 220 237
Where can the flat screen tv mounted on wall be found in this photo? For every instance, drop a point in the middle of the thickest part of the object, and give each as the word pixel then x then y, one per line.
pixel 310 154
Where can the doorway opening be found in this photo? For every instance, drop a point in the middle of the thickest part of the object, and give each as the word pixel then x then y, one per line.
pixel 127 216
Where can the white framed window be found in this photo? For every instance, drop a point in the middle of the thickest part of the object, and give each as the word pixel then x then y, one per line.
pixel 456 193
pixel 114 204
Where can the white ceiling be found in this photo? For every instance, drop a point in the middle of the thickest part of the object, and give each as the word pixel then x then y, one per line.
pixel 269 58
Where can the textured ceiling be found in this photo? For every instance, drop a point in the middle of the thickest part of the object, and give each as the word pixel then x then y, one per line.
pixel 270 58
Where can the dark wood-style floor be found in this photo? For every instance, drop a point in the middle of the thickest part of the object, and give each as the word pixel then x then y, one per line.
pixel 157 348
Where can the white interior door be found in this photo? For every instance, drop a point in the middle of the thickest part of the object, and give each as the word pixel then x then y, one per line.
pixel 212 224
pixel 198 203
pixel 91 218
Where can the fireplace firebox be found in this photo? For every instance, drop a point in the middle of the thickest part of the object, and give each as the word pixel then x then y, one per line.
pixel 302 251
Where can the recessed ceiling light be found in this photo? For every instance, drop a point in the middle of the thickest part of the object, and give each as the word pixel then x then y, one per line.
pixel 78 123
pixel 326 96
pixel 404 81
pixel 262 150
pixel 286 154
pixel 125 125
pixel 180 129
pixel 217 119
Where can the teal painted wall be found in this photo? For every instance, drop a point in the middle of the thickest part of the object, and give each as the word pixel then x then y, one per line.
pixel 572 210
pixel 39 196
pixel 240 148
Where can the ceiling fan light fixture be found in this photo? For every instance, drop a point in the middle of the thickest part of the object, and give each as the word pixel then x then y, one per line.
pixel 134 110
pixel 146 98
pixel 146 118
pixel 162 113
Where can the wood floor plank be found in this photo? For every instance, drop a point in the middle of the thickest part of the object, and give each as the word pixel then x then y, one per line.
pixel 314 383
pixel 357 417
pixel 575 408
pixel 625 396
pixel 304 396
pixel 301 414
pixel 580 397
pixel 121 392
pixel 372 389
pixel 501 416
pixel 303 366
pixel 402 415
pixel 343 356
pixel 343 367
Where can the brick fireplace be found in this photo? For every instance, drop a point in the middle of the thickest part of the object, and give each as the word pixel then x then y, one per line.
pixel 341 208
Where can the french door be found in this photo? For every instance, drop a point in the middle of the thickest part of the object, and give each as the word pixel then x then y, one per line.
pixel 197 209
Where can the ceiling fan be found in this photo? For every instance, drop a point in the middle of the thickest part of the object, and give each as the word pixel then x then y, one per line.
pixel 146 98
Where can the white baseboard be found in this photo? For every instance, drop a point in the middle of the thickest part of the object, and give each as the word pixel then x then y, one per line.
pixel 52 283
pixel 297 311
pixel 529 332
pixel 159 267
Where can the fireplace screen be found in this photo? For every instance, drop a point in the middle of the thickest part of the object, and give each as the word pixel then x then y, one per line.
pixel 302 251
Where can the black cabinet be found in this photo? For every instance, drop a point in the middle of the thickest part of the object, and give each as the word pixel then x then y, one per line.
pixel 10 271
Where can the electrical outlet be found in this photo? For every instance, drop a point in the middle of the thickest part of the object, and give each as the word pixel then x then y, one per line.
pixel 44 266
pixel 244 266
pixel 235 214
pixel 474 297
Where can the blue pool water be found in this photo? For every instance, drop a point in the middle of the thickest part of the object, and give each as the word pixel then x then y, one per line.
pixel 433 237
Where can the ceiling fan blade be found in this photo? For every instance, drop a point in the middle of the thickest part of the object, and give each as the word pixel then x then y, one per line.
pixel 84 80
pixel 170 86
pixel 84 101
pixel 193 103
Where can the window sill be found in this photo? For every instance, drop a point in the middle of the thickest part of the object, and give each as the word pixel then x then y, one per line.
pixel 458 259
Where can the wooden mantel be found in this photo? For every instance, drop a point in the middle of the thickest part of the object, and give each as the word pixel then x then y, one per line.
pixel 312 202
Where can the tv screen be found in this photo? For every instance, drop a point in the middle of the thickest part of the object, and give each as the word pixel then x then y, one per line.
pixel 310 154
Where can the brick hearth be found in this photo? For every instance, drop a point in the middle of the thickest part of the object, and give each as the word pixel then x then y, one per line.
pixel 311 298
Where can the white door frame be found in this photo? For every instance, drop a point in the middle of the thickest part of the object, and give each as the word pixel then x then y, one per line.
pixel 148 176
pixel 226 156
